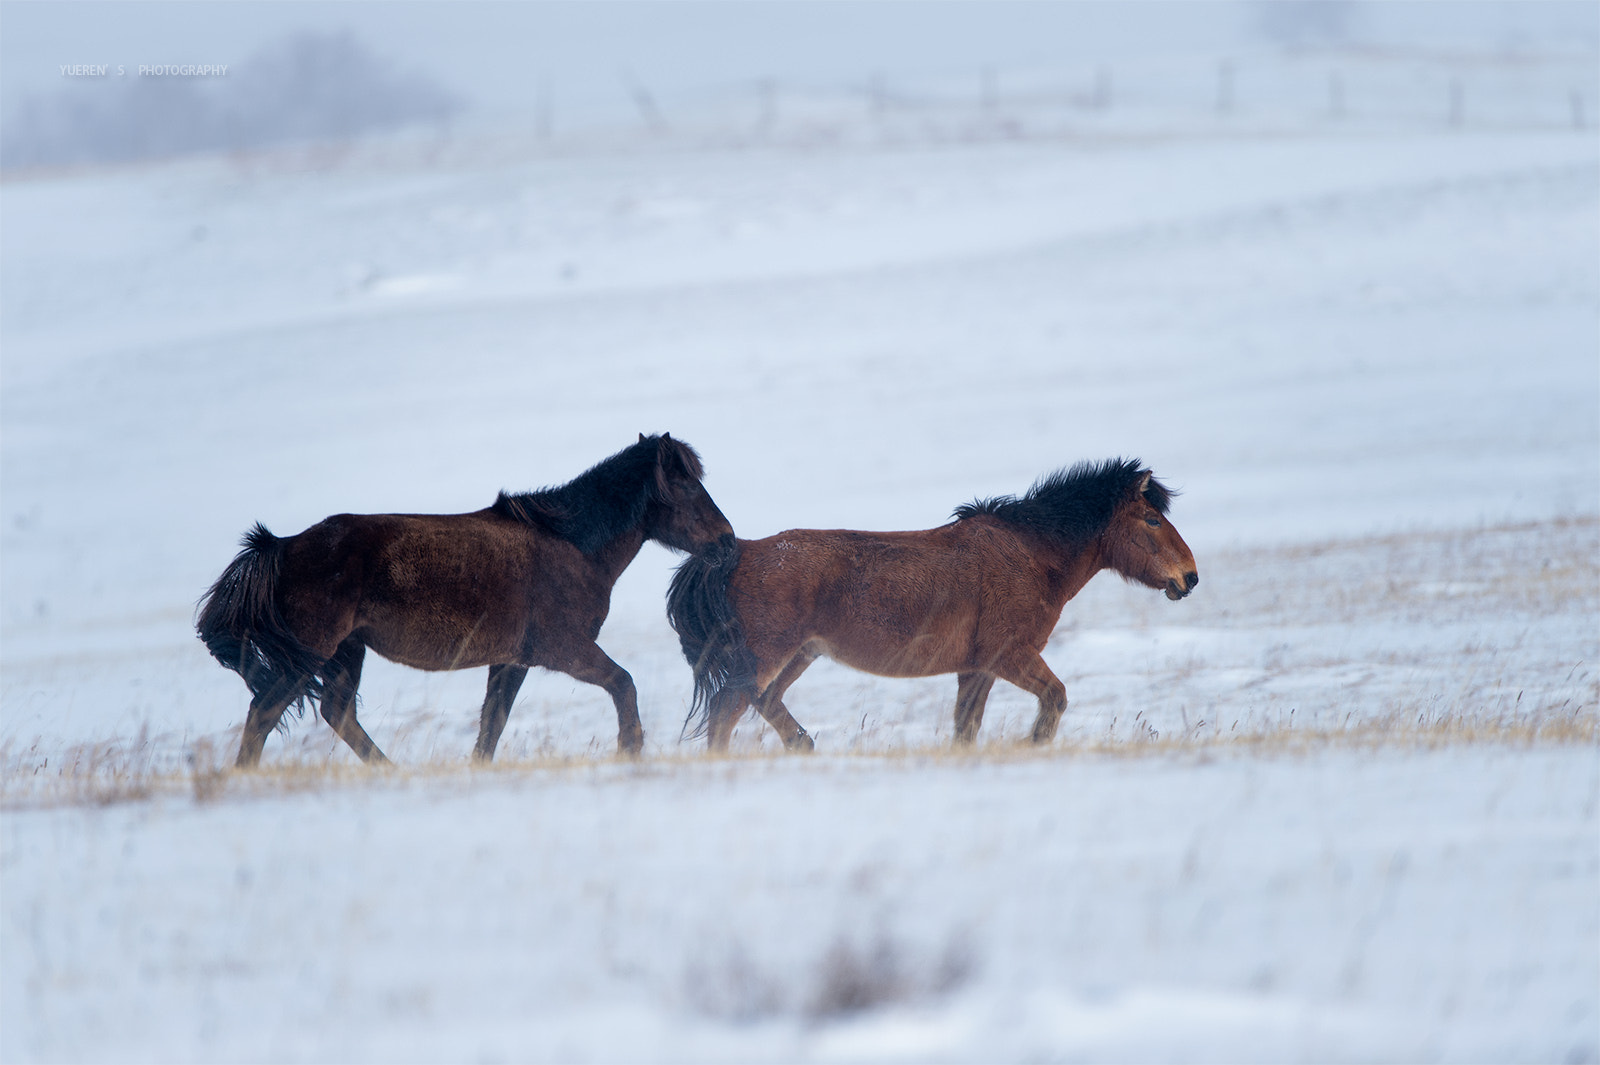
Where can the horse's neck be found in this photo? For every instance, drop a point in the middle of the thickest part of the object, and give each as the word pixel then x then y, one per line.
pixel 614 557
pixel 1070 570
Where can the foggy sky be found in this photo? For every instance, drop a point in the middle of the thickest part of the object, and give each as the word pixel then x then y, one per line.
pixel 496 55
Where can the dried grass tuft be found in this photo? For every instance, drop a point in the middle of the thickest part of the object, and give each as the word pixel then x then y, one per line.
pixel 112 773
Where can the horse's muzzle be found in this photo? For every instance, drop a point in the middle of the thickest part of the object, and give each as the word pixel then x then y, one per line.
pixel 1176 590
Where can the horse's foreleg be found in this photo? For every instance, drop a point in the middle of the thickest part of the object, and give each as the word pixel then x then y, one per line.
pixel 972 692
pixel 1033 676
pixel 504 681
pixel 265 711
pixel 593 666
pixel 340 681
pixel 770 704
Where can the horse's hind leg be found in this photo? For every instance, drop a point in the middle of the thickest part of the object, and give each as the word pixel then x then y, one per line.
pixel 504 681
pixel 727 707
pixel 972 692
pixel 593 666
pixel 341 678
pixel 793 734
pixel 770 704
pixel 265 711
pixel 1033 676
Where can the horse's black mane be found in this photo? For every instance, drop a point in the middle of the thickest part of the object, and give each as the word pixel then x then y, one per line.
pixel 1075 503
pixel 607 500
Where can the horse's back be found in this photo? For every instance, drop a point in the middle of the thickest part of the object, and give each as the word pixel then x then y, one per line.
pixel 961 551
pixel 408 550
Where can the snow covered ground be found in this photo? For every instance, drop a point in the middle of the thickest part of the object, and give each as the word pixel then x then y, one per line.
pixel 1368 358
pixel 1348 905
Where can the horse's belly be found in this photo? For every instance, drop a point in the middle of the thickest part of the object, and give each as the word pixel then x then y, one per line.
pixel 445 648
pixel 432 662
pixel 920 656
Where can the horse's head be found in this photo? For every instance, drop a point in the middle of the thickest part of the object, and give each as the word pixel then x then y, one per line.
pixel 1142 545
pixel 681 513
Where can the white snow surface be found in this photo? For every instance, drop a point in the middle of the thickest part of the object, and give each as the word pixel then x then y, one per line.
pixel 1368 360
pixel 1346 906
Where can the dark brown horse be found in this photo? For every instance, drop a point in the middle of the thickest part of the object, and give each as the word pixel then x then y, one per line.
pixel 977 597
pixel 523 583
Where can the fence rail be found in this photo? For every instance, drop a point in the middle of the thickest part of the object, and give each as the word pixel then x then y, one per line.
pixel 1277 92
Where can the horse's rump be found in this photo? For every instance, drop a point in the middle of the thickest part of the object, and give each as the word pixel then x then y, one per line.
pixel 240 623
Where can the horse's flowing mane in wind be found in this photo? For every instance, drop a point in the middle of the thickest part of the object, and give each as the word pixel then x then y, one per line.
pixel 1076 503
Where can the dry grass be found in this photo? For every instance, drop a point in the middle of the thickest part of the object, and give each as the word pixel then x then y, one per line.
pixel 852 975
pixel 852 979
pixel 108 774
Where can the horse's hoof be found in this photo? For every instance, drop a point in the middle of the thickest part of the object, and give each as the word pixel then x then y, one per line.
pixel 801 742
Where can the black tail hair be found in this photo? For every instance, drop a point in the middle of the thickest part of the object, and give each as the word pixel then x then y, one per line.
pixel 239 622
pixel 709 629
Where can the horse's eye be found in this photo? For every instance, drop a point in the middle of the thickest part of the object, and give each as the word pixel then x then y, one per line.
pixel 1154 523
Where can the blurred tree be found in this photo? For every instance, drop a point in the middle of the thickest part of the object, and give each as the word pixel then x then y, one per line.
pixel 309 87
pixel 1306 23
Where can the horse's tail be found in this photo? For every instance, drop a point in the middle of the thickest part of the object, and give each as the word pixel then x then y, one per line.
pixel 709 628
pixel 239 622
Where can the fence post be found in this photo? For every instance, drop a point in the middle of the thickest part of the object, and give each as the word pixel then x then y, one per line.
pixel 646 103
pixel 767 90
pixel 1102 88
pixel 543 113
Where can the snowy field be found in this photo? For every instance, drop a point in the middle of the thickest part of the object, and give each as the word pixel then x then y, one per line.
pixel 1341 905
pixel 1338 805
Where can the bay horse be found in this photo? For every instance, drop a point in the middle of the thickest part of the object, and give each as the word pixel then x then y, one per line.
pixel 977 597
pixel 525 582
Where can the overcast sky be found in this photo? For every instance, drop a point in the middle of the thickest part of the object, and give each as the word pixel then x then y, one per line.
pixel 497 54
